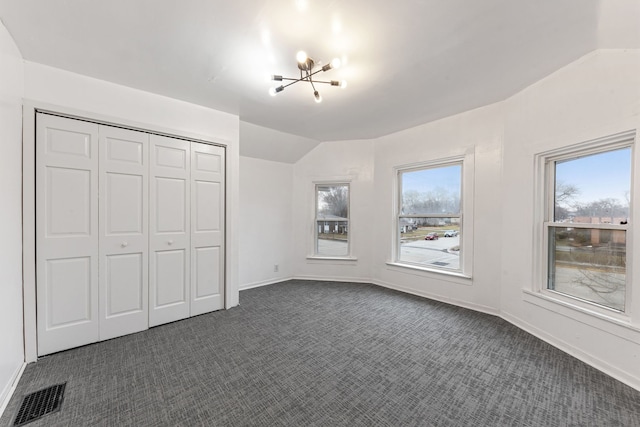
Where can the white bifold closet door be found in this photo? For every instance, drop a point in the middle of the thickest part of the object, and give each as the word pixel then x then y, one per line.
pixel 169 243
pixel 187 229
pixel 207 228
pixel 124 237
pixel 66 233
pixel 129 231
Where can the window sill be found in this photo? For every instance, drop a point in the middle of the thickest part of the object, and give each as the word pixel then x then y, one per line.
pixel 451 276
pixel 618 324
pixel 347 259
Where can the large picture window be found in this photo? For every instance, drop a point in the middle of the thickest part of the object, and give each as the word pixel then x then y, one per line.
pixel 332 220
pixel 587 222
pixel 429 218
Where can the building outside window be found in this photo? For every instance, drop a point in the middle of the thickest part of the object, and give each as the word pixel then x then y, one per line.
pixel 588 201
pixel 429 216
pixel 332 220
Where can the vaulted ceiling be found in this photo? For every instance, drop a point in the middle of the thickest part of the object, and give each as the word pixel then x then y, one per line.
pixel 406 62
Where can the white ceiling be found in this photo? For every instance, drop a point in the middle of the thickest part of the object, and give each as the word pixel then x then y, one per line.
pixel 407 62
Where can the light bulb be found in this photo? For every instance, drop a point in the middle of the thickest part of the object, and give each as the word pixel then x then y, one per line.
pixel 272 91
pixel 301 57
pixel 335 63
pixel 343 84
pixel 316 94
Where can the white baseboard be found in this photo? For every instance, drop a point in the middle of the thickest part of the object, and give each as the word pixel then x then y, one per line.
pixel 334 279
pixel 7 393
pixel 595 362
pixel 464 304
pixel 471 306
pixel 263 283
pixel 316 278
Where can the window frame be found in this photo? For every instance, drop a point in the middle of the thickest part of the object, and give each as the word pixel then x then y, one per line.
pixel 314 253
pixel 466 162
pixel 545 221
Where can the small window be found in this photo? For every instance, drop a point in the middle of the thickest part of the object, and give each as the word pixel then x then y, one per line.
pixel 587 223
pixel 429 219
pixel 332 220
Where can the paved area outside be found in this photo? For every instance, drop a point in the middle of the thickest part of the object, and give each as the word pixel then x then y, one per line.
pixel 419 251
pixel 432 252
pixel 332 248
pixel 592 284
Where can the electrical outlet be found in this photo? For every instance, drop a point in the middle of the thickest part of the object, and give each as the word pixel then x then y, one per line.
pixel 275 268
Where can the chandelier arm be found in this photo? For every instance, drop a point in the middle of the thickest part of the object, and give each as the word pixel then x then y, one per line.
pixel 293 82
pixel 314 73
pixel 311 80
pixel 304 79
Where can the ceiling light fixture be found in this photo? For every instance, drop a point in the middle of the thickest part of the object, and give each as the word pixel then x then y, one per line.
pixel 306 65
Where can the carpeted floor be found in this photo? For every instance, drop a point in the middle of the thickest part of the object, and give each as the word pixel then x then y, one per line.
pixel 305 353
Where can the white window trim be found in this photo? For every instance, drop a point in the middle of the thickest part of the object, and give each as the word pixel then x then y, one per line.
pixel 466 160
pixel 538 293
pixel 313 248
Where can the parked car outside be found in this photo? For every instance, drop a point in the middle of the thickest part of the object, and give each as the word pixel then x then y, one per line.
pixel 431 236
pixel 450 233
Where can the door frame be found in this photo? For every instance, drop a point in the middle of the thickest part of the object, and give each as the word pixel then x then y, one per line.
pixel 29 111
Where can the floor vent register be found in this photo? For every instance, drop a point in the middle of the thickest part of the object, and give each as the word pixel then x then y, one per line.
pixel 40 403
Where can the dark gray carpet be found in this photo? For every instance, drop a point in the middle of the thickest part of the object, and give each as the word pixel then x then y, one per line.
pixel 304 353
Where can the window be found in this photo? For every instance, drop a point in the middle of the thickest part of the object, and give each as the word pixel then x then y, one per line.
pixel 429 216
pixel 332 220
pixel 586 224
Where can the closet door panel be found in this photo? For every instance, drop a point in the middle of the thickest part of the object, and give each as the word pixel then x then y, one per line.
pixel 207 273
pixel 125 285
pixel 124 235
pixel 66 233
pixel 207 228
pixel 171 288
pixel 170 211
pixel 169 281
pixel 68 202
pixel 68 285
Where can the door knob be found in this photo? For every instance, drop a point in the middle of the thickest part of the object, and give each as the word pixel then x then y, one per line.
pixel 170 242
pixel 124 244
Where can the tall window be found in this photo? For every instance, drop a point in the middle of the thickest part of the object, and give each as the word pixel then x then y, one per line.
pixel 429 219
pixel 586 224
pixel 332 220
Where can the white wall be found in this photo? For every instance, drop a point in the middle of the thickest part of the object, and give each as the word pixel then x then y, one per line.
pixel 69 93
pixel 263 143
pixel 596 96
pixel 65 89
pixel 345 161
pixel 11 91
pixel 478 132
pixel 265 225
